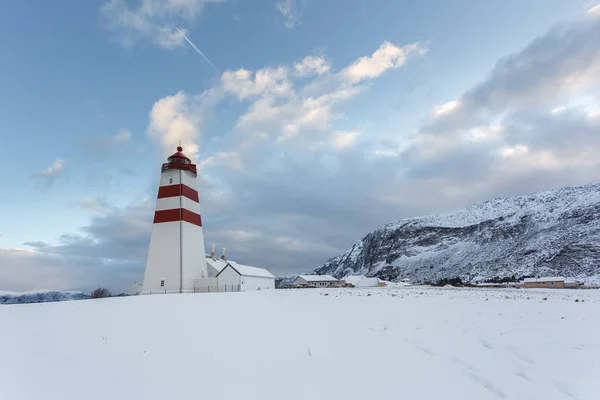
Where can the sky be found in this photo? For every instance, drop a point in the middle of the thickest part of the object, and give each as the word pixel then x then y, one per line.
pixel 311 122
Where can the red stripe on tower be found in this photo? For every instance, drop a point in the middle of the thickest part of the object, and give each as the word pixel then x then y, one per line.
pixel 177 214
pixel 177 190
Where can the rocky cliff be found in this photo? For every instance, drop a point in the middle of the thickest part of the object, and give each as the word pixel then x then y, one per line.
pixel 555 232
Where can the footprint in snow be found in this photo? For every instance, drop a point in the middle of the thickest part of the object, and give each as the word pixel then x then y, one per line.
pixel 564 389
pixel 425 350
pixel 486 344
pixel 521 374
pixel 476 376
pixel 517 353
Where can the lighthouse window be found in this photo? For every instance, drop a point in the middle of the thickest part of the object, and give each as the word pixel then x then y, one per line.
pixel 162 283
pixel 170 180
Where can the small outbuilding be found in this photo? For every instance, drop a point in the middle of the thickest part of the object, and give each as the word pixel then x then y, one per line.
pixel 316 281
pixel 362 281
pixel 550 282
pixel 245 278
pixel 546 282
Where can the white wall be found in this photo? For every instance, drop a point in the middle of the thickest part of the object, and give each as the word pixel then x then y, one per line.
pixel 367 282
pixel 188 179
pixel 228 276
pixel 299 281
pixel 169 203
pixel 205 282
pixel 170 173
pixel 194 259
pixel 163 258
pixel 249 283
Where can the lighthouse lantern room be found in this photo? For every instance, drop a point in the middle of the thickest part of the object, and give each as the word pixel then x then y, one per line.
pixel 176 256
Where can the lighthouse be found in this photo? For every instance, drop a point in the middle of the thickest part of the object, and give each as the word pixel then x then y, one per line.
pixel 176 256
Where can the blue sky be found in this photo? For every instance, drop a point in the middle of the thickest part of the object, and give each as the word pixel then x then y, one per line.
pixel 324 120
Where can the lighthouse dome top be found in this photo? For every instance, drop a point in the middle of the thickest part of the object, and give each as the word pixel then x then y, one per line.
pixel 179 161
pixel 179 155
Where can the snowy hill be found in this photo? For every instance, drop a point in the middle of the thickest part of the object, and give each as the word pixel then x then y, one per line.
pixel 555 232
pixel 380 343
pixel 40 296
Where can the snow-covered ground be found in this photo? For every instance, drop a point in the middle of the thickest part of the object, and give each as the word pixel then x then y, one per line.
pixel 380 343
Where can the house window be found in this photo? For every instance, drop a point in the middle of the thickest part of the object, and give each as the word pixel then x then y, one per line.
pixel 162 283
pixel 170 180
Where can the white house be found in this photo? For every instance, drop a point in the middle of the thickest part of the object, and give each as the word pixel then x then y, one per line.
pixel 316 281
pixel 245 277
pixel 362 281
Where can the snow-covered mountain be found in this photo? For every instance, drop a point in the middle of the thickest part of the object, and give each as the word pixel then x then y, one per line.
pixel 40 296
pixel 555 232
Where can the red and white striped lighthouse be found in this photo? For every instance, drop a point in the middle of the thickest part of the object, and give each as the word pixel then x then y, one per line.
pixel 176 254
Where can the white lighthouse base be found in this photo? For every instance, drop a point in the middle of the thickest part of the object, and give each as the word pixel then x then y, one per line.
pixel 165 271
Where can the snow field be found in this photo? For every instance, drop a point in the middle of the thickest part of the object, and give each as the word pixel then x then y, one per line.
pixel 377 343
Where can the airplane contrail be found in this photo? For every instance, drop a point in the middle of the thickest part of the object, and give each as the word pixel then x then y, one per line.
pixel 197 49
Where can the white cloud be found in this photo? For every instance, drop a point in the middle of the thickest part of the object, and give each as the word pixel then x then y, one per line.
pixel 385 57
pixel 445 109
pixel 173 119
pixel 55 169
pixel 287 119
pixel 385 153
pixel 481 133
pixel 511 151
pixel 595 10
pixel 230 159
pixel 344 139
pixel 312 65
pixel 290 13
pixel 267 81
pixel 285 108
pixel 47 176
pixel 151 19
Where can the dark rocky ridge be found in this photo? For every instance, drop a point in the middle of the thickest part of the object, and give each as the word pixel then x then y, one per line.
pixel 41 297
pixel 555 232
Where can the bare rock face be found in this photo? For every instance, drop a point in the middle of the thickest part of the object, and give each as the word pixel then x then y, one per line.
pixel 555 232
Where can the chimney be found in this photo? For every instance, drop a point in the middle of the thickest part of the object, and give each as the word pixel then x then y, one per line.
pixel 223 257
pixel 212 253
